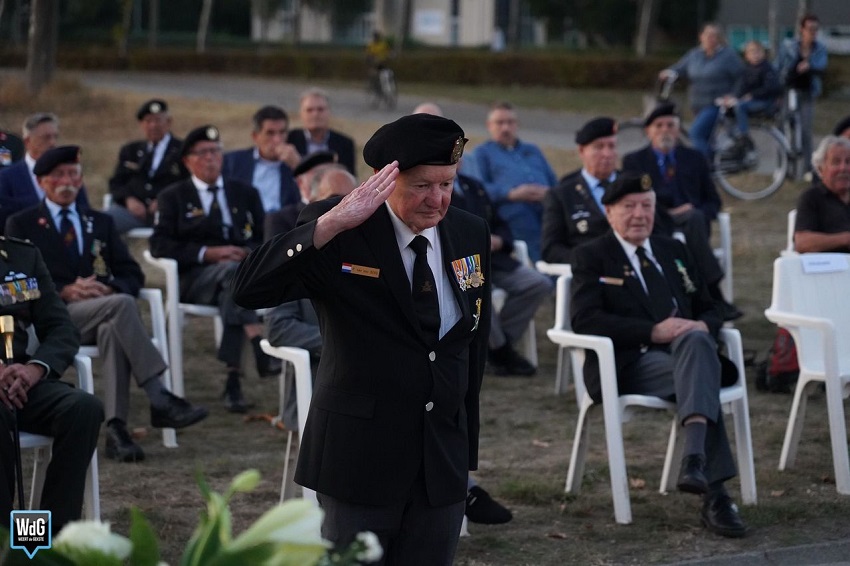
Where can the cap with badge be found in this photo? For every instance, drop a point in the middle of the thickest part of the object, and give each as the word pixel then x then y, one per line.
pixel 204 133
pixel 665 109
pixel 626 183
pixel 54 157
pixel 416 139
pixel 155 106
pixel 602 127
pixel 841 126
pixel 314 160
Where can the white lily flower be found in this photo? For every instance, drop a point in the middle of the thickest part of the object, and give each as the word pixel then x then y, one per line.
pixel 297 522
pixel 94 535
pixel 373 549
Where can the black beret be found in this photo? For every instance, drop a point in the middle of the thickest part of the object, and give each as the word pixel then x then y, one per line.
pixel 841 126
pixel 154 106
pixel 595 129
pixel 664 109
pixel 415 139
pixel 626 183
pixel 314 160
pixel 54 157
pixel 204 133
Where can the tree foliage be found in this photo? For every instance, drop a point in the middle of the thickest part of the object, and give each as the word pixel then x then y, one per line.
pixel 342 12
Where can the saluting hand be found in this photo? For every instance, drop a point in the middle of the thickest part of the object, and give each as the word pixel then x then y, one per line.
pixel 356 206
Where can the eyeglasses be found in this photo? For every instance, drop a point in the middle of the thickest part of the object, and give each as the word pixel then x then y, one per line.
pixel 206 152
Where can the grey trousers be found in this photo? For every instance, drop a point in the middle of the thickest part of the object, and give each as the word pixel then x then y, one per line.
pixel 689 374
pixel 411 532
pixel 210 285
pixel 526 289
pixel 124 220
pixel 113 324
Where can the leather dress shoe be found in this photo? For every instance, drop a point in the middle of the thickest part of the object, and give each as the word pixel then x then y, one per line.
pixel 234 402
pixel 120 445
pixel 483 509
pixel 720 516
pixel 692 475
pixel 507 361
pixel 729 312
pixel 179 413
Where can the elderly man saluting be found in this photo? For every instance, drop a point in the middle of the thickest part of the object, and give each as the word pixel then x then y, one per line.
pixel 401 284
pixel 645 293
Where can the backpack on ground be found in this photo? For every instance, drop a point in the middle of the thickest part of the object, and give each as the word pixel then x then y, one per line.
pixel 778 373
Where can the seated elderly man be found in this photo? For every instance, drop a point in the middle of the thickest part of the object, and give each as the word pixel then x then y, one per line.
pixel 823 210
pixel 645 293
pixel 99 280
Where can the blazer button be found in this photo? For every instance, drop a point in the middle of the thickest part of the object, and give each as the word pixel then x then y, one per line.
pixel 298 248
pixel 290 252
pixel 428 406
pixel 148 187
pixel 432 356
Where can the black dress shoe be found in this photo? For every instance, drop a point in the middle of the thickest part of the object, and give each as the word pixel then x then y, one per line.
pixel 720 516
pixel 483 509
pixel 729 312
pixel 507 361
pixel 234 402
pixel 692 475
pixel 179 413
pixel 120 445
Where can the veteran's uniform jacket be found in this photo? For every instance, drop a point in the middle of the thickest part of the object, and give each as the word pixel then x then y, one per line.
pixel 131 178
pixel 570 217
pixel 386 404
pixel 608 299
pixel 105 255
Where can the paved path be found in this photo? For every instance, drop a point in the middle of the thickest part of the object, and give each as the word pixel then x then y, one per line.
pixel 546 127
pixel 835 553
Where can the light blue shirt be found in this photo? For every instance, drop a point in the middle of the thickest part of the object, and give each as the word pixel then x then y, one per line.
pixel 267 181
pixel 595 188
pixel 501 169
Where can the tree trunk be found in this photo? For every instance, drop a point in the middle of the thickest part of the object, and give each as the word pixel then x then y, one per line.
pixel 772 28
pixel 41 49
pixel 803 8
pixel 402 25
pixel 646 20
pixel 513 25
pixel 203 26
pixel 126 21
pixel 153 23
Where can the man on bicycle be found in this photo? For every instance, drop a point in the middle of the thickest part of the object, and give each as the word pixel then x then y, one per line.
pixel 377 54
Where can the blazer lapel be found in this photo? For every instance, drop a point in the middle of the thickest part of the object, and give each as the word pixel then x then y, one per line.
pixel 671 274
pixel 450 255
pixel 630 279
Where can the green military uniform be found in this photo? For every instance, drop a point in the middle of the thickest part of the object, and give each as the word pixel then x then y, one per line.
pixel 53 408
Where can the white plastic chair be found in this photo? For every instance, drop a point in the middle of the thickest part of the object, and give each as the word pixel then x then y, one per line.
pixel 138 233
pixel 810 300
pixel 174 313
pixel 528 341
pixel 41 446
pixel 300 359
pixel 618 409
pixel 562 318
pixel 789 241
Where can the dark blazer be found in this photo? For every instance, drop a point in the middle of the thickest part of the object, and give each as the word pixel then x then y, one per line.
pixel 182 228
pixel 17 191
pixel 239 165
pixel 282 221
pixel 58 338
pixel 387 402
pixel 338 142
pixel 474 200
pixel 131 173
pixel 692 179
pixel 116 267
pixel 607 299
pixel 570 217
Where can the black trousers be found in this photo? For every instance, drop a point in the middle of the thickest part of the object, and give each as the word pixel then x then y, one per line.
pixel 72 417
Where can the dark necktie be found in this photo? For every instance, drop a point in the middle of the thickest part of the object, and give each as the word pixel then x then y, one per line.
pixel 669 169
pixel 425 301
pixel 69 239
pixel 215 215
pixel 660 297
pixel 147 162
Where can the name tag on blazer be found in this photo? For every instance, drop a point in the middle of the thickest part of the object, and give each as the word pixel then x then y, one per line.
pixel 361 270
pixel 611 281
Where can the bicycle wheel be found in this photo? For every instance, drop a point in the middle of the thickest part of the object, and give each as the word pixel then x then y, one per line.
pixel 753 174
pixel 388 88
pixel 796 163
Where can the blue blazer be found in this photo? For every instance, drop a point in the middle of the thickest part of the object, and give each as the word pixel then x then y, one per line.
pixel 239 165
pixel 18 193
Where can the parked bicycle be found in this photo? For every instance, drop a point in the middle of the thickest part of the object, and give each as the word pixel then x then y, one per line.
pixel 745 171
pixel 382 88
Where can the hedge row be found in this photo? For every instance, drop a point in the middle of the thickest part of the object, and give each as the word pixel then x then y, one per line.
pixel 462 67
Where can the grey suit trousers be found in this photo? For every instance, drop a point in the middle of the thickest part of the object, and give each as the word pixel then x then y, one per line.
pixel 113 324
pixel 526 289
pixel 689 374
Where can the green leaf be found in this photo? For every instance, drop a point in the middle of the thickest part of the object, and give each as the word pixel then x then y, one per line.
pixel 145 546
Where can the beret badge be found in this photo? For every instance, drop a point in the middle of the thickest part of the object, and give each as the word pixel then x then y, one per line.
pixel 212 133
pixel 155 108
pixel 645 182
pixel 457 149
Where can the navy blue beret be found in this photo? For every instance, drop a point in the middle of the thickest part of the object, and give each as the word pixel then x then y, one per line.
pixel 54 157
pixel 415 139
